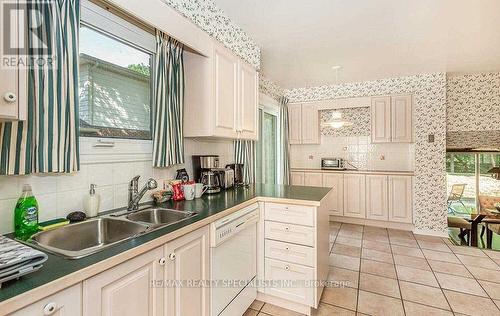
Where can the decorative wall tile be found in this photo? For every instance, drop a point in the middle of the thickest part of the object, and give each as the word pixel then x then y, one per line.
pixel 270 88
pixel 429 91
pixel 360 117
pixel 473 102
pixel 214 21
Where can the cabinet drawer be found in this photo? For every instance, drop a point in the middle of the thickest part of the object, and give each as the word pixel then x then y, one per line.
pixel 293 214
pixel 289 252
pixel 297 275
pixel 290 233
pixel 65 302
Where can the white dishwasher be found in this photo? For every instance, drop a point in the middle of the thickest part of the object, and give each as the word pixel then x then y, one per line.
pixel 233 242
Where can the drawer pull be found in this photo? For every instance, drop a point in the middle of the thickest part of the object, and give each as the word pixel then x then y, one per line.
pixel 10 97
pixel 162 261
pixel 171 256
pixel 50 308
pixel 287 248
pixel 287 228
pixel 287 267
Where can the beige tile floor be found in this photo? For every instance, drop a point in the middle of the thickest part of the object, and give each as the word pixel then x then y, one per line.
pixel 392 272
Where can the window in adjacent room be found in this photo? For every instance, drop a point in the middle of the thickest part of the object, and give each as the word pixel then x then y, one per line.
pixel 116 60
pixel 267 148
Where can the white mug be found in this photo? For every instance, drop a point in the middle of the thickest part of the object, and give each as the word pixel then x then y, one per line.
pixel 188 191
pixel 199 189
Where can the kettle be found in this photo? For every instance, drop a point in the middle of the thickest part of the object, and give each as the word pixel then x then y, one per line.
pixel 211 180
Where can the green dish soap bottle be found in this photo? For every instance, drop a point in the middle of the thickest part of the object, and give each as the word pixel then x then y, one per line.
pixel 26 214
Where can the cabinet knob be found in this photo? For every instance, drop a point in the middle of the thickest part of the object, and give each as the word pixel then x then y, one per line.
pixel 171 256
pixel 10 97
pixel 287 267
pixel 287 248
pixel 162 261
pixel 287 228
pixel 50 308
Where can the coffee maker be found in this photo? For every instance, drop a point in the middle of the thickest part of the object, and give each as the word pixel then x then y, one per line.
pixel 206 170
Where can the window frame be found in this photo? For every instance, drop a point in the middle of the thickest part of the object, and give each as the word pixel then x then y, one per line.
pixel 111 25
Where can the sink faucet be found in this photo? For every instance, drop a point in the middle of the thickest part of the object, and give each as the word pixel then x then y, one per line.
pixel 134 195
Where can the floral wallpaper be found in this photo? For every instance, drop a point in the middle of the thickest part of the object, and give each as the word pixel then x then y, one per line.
pixel 268 87
pixel 473 102
pixel 361 117
pixel 429 91
pixel 213 20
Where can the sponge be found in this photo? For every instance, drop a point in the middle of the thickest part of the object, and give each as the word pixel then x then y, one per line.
pixel 53 223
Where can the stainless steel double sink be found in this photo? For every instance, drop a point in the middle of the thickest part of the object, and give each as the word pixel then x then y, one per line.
pixel 82 239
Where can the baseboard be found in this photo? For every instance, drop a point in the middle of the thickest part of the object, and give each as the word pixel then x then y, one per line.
pixel 371 222
pixel 429 232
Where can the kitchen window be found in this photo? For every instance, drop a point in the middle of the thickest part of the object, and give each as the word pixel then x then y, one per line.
pixel 116 62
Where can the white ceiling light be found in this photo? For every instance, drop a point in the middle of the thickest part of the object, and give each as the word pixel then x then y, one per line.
pixel 336 121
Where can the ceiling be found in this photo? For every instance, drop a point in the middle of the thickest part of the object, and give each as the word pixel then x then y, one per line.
pixel 369 39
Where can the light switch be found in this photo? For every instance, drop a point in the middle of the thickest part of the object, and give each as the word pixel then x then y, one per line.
pixel 311 157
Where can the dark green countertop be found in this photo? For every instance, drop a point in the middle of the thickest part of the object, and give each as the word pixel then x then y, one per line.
pixel 57 267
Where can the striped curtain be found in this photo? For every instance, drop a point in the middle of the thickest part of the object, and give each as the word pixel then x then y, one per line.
pixel 48 140
pixel 284 143
pixel 244 153
pixel 168 137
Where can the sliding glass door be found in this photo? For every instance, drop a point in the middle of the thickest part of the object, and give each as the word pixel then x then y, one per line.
pixel 267 148
pixel 468 178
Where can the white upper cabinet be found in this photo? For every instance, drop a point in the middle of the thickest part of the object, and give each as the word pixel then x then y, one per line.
pixel 221 96
pixel 376 197
pixel 392 119
pixel 310 124
pixel 249 83
pixel 381 119
pixel 13 103
pixel 400 199
pixel 295 123
pixel 226 92
pixel 401 119
pixel 303 123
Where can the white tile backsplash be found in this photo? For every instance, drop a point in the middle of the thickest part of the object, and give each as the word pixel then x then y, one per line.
pixel 357 150
pixel 60 194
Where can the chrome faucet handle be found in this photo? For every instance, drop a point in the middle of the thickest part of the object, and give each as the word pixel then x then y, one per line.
pixel 152 184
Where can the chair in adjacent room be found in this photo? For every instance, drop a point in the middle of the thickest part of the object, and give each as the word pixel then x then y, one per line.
pixel 462 224
pixel 492 226
pixel 457 191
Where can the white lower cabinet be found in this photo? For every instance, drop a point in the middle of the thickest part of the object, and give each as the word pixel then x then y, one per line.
pixel 400 199
pixel 188 261
pixel 297 178
pixel 128 289
pixel 313 179
pixel 336 182
pixel 159 282
pixel 65 302
pixel 376 197
pixel 287 272
pixel 354 195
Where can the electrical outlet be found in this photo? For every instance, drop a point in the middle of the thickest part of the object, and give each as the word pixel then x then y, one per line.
pixel 311 157
pixel 430 138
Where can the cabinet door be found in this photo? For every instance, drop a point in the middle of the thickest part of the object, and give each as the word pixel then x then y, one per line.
pixel 295 123
pixel 226 93
pixel 65 302
pixel 130 288
pixel 376 197
pixel 297 178
pixel 310 124
pixel 354 195
pixel 188 261
pixel 248 102
pixel 381 119
pixel 336 182
pixel 400 199
pixel 401 119
pixel 313 179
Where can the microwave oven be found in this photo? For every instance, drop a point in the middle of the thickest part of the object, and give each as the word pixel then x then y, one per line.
pixel 333 163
